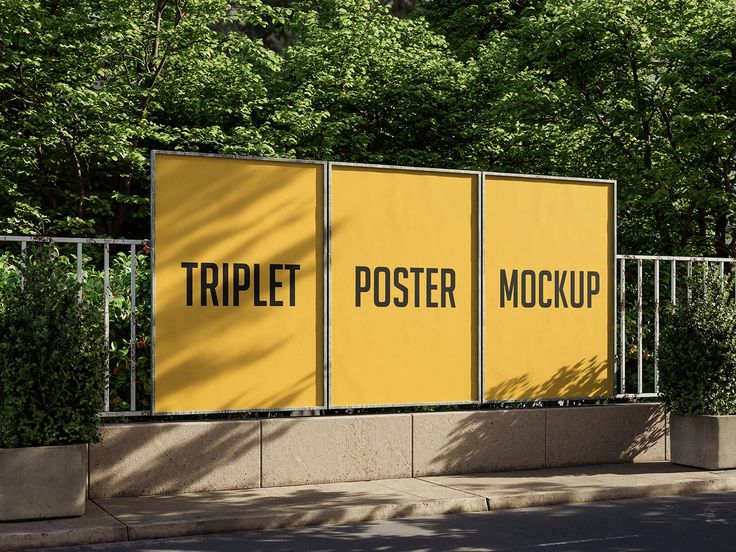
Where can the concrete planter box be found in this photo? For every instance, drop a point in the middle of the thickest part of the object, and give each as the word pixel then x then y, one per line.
pixel 704 441
pixel 43 482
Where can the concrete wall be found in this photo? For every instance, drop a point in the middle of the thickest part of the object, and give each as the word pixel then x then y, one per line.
pixel 605 435
pixel 334 449
pixel 172 457
pixel 477 442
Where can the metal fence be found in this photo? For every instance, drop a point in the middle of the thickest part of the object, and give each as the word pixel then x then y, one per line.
pixel 659 281
pixel 656 287
pixel 106 244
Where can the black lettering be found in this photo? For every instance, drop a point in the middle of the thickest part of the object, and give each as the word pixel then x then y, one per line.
pixel 576 304
pixel 509 288
pixel 531 287
pixel 190 268
pixel 431 287
pixel 448 286
pixel 416 271
pixel 257 301
pixel 594 286
pixel 560 289
pixel 274 284
pixel 207 284
pixel 239 286
pixel 544 275
pixel 403 291
pixel 292 268
pixel 225 285
pixel 386 273
pixel 361 288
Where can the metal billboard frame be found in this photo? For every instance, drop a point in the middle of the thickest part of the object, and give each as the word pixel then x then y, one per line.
pixel 480 181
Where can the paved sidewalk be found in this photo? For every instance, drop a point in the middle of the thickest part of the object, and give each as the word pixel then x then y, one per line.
pixel 121 519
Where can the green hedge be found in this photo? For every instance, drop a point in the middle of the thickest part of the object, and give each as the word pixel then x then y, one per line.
pixel 697 353
pixel 52 356
pixel 119 312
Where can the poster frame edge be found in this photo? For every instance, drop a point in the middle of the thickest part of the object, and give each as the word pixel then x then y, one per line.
pixel 152 192
pixel 481 295
pixel 559 179
pixel 327 290
pixel 403 405
pixel 403 168
pixel 237 157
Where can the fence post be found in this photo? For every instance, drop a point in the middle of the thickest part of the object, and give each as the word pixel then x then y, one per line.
pixel 656 326
pixel 622 311
pixel 133 361
pixel 80 260
pixel 639 330
pixel 106 303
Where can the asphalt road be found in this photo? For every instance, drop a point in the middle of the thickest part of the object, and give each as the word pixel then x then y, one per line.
pixel 700 523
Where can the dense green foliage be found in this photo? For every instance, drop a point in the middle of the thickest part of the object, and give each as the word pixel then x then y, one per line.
pixel 697 354
pixel 119 313
pixel 52 357
pixel 120 320
pixel 640 91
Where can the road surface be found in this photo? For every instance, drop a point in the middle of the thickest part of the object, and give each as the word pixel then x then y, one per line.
pixel 700 523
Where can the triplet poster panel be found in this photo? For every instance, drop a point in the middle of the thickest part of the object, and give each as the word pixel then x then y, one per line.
pixel 404 261
pixel 549 288
pixel 238 272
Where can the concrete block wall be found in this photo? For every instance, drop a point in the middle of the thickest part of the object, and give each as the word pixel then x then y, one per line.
pixel 334 449
pixel 166 458
pixel 476 442
pixel 174 457
pixel 606 435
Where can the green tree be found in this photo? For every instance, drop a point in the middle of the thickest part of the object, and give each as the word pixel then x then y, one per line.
pixel 468 24
pixel 360 84
pixel 87 88
pixel 639 91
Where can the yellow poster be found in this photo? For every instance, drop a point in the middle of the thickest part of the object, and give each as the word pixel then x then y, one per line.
pixel 237 283
pixel 549 254
pixel 404 286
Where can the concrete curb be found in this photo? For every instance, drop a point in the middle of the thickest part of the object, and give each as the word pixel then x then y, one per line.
pixel 97 527
pixel 103 525
pixel 580 496
pixel 330 516
pixel 63 537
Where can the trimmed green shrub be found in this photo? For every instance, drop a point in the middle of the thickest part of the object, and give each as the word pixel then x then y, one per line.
pixel 119 313
pixel 697 352
pixel 52 357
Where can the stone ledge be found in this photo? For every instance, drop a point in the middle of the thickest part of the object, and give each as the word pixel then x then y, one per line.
pixel 704 441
